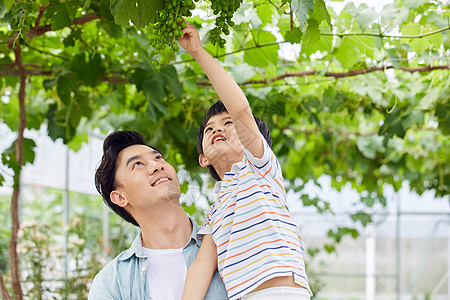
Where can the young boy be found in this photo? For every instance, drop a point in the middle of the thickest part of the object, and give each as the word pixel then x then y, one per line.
pixel 249 236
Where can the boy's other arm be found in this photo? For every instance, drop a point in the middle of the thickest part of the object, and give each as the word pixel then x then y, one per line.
pixel 228 91
pixel 200 272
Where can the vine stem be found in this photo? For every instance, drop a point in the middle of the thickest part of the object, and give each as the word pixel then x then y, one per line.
pixel 3 290
pixel 380 35
pixel 13 257
pixel 338 75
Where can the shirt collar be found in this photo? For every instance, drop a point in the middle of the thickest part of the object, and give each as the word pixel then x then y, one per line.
pixel 136 246
pixel 217 186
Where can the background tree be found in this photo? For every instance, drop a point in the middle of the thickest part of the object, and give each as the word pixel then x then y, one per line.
pixel 361 96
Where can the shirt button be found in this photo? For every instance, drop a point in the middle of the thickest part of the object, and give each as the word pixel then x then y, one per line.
pixel 143 269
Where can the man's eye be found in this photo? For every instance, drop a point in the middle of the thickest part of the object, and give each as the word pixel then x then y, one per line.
pixel 159 157
pixel 136 164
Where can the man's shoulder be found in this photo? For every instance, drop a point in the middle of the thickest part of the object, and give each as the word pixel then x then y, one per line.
pixel 121 260
pixel 105 281
pixel 110 269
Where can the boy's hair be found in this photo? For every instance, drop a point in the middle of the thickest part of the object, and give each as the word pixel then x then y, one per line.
pixel 216 109
pixel 105 180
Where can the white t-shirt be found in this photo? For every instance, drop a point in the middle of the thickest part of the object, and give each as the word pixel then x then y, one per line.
pixel 166 273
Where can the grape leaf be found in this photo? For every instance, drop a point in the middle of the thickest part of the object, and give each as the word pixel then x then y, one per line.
pixel 413 4
pixel 9 4
pixel 313 41
pixel 321 13
pixel 365 16
pixel 347 53
pixel 363 217
pixel 261 56
pixel 301 10
pixel 61 14
pixel 370 146
pixel 391 13
pixel 293 37
pixel 139 12
pixel 64 89
pixel 265 12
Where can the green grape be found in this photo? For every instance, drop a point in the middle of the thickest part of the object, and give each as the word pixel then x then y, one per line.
pixel 224 9
pixel 168 28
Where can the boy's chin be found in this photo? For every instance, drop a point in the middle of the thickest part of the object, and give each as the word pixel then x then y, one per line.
pixel 225 161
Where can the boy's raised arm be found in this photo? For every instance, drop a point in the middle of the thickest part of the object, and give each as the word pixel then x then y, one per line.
pixel 228 91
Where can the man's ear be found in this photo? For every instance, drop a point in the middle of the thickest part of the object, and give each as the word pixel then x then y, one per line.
pixel 203 161
pixel 118 198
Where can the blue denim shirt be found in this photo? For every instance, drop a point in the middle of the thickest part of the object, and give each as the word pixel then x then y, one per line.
pixel 125 276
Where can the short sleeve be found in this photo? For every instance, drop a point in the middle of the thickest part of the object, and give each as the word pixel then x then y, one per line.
pixel 206 228
pixel 267 165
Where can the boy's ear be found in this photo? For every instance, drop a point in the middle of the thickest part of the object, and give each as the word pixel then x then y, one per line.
pixel 203 161
pixel 118 198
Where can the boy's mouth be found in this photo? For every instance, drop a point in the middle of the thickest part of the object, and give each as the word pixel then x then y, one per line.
pixel 218 138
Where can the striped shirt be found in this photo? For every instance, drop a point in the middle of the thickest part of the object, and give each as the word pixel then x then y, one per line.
pixel 255 235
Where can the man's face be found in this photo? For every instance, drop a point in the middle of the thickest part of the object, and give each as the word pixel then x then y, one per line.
pixel 145 179
pixel 221 145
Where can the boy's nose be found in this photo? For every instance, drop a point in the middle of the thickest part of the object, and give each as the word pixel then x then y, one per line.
pixel 217 130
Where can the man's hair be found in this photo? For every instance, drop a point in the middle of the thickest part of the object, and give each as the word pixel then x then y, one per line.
pixel 105 180
pixel 216 109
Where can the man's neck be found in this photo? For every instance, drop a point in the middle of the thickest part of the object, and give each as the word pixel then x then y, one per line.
pixel 170 230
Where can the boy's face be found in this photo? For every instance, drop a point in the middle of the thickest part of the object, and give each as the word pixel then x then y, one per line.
pixel 221 145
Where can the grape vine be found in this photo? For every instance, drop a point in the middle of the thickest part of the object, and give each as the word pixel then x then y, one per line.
pixel 169 24
pixel 224 9
pixel 23 9
pixel 168 29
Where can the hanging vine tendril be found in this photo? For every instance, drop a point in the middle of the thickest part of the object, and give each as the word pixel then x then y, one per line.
pixel 23 9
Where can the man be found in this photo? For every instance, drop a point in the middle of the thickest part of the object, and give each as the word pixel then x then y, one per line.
pixel 140 186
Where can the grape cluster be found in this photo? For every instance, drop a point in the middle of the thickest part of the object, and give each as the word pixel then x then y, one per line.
pixel 224 9
pixel 168 29
pixel 23 9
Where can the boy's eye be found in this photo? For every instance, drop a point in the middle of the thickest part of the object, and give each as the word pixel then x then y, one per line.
pixel 229 122
pixel 208 129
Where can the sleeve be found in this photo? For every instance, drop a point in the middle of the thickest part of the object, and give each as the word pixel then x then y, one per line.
pixel 99 289
pixel 206 228
pixel 267 165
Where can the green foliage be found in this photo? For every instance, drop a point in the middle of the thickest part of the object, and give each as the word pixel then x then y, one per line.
pixel 4 254
pixel 139 12
pixel 302 9
pixel 61 14
pixel 41 249
pixel 9 158
pixel 360 97
pixel 363 217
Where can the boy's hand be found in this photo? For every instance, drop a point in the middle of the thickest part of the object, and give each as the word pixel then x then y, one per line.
pixel 190 40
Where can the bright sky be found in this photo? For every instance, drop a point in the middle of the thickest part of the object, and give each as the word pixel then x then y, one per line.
pixel 377 4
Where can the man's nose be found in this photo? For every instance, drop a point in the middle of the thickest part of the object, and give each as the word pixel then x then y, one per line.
pixel 155 167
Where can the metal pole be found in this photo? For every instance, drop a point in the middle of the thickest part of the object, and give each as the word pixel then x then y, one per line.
pixel 398 250
pixel 370 261
pixel 66 216
pixel 106 244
